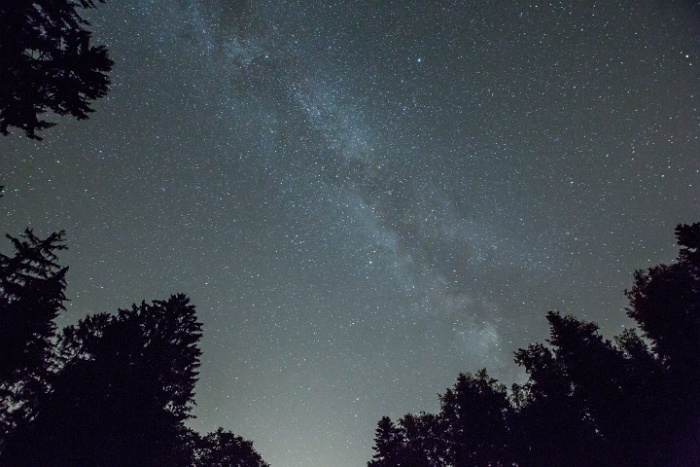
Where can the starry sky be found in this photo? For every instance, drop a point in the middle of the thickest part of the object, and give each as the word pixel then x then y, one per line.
pixel 365 198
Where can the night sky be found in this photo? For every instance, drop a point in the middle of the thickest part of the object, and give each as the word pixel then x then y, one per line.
pixel 365 198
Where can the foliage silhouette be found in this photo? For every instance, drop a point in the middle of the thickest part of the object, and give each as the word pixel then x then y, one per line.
pixel 32 286
pixel 136 374
pixel 112 390
pixel 588 400
pixel 47 63
pixel 224 449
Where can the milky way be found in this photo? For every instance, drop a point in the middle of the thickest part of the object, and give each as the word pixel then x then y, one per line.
pixel 365 198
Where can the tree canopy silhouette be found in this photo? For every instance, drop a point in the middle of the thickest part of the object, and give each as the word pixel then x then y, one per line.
pixel 32 286
pixel 112 390
pixel 124 385
pixel 588 400
pixel 48 63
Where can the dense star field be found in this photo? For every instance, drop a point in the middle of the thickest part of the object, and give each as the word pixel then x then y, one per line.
pixel 365 198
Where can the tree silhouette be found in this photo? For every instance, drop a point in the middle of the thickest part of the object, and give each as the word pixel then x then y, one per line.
pixel 124 385
pixel 47 63
pixel 224 449
pixel 415 442
pixel 388 444
pixel 474 414
pixel 32 287
pixel 586 396
pixel 588 400
pixel 112 390
pixel 471 429
pixel 665 302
